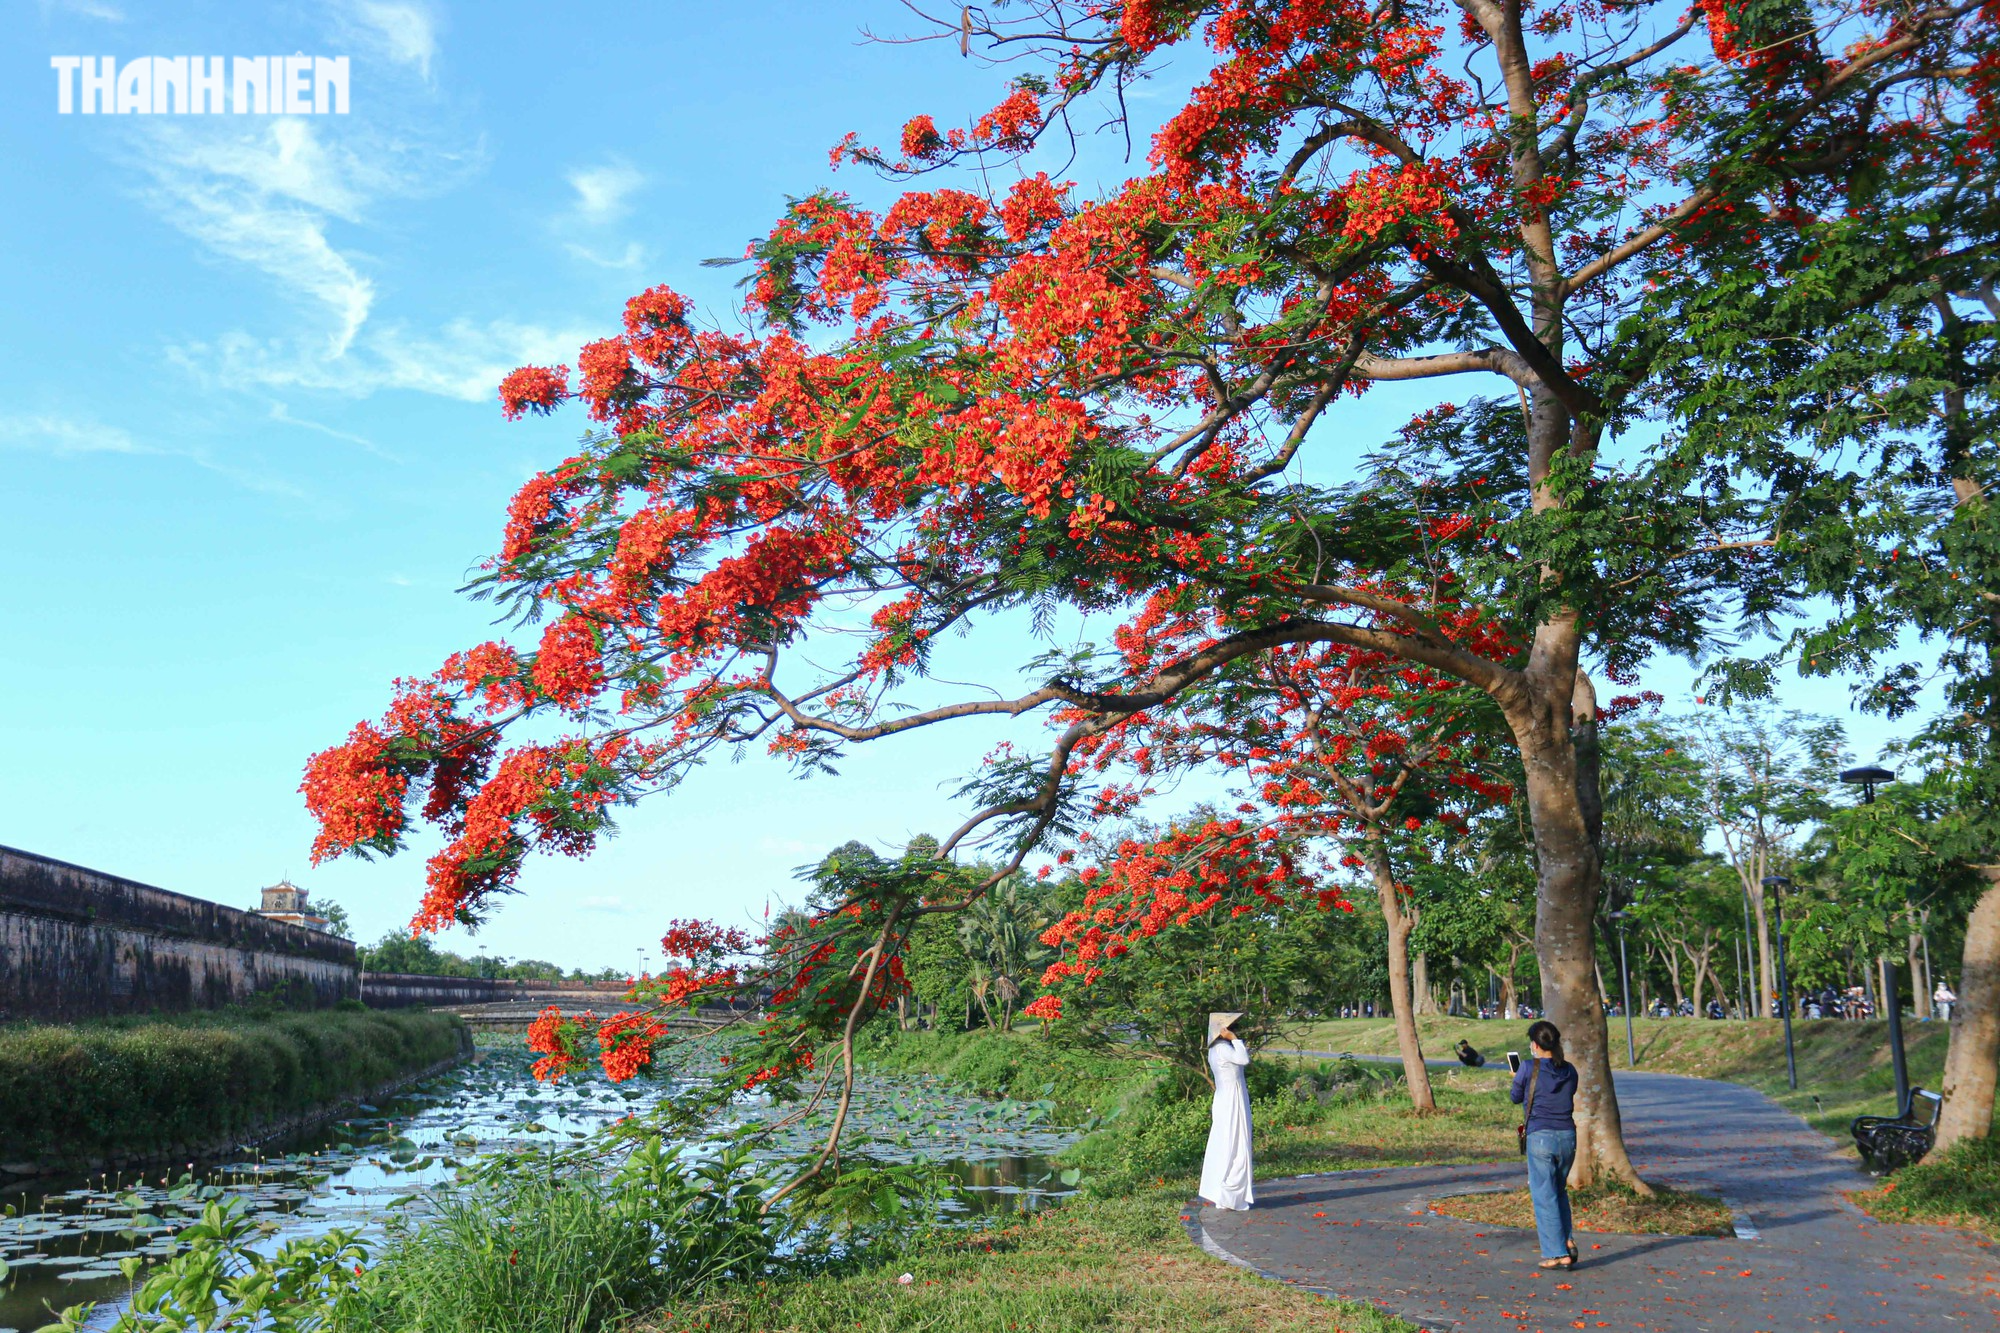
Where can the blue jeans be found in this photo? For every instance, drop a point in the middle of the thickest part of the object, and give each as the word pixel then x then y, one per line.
pixel 1550 1153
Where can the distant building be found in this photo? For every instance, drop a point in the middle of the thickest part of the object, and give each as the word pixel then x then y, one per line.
pixel 286 901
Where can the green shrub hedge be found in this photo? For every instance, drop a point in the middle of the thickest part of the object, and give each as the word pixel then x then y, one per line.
pixel 1016 1064
pixel 128 1089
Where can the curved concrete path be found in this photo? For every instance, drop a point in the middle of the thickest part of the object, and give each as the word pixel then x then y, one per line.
pixel 1804 1259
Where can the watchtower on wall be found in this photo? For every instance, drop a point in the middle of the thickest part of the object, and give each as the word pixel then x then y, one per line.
pixel 286 901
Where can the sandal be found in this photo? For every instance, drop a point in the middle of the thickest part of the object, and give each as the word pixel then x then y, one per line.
pixel 1572 1254
pixel 1565 1263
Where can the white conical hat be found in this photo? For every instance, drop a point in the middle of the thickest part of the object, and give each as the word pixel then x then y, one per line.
pixel 1217 1022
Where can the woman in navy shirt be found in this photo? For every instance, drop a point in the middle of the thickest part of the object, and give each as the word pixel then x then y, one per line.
pixel 1551 1140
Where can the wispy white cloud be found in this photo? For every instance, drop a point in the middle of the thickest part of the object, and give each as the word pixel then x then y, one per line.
pixel 603 197
pixel 290 198
pixel 284 197
pixel 67 436
pixel 406 33
pixel 282 413
pixel 266 195
pixel 634 256
pixel 90 9
pixel 601 191
pixel 464 360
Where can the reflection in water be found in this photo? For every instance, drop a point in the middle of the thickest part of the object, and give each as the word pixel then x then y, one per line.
pixel 1003 1186
pixel 63 1240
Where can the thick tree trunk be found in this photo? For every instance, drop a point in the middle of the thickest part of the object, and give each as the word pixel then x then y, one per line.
pixel 1973 1059
pixel 1420 983
pixel 1401 1000
pixel 1558 743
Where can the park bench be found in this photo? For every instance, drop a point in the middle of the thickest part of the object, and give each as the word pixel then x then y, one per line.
pixel 1887 1143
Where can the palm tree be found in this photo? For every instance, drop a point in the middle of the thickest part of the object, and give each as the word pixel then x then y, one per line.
pixel 1001 934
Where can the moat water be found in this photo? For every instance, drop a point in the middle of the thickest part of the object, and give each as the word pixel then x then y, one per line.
pixel 63 1241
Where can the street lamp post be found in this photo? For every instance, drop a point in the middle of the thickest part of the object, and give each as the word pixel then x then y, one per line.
pixel 1625 989
pixel 1868 779
pixel 1777 884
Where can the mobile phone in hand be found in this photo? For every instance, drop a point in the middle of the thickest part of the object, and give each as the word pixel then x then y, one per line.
pixel 1514 1061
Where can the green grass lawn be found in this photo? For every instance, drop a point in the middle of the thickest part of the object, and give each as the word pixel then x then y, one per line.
pixel 1111 1263
pixel 1474 1122
pixel 1843 1066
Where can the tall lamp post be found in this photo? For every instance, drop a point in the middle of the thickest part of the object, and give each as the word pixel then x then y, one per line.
pixel 1868 779
pixel 1777 884
pixel 1625 989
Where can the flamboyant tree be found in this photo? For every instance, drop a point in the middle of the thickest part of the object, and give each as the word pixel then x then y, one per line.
pixel 1173 924
pixel 1343 747
pixel 970 403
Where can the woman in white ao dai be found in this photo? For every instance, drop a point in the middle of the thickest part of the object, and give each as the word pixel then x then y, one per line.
pixel 1225 1167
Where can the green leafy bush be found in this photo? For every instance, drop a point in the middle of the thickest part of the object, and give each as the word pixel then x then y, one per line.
pixel 564 1250
pixel 1021 1065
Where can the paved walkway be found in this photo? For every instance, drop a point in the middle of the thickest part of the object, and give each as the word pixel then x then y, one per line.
pixel 1804 1258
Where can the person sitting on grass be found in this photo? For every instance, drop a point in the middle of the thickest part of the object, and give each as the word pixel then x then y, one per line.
pixel 1468 1054
pixel 1546 1086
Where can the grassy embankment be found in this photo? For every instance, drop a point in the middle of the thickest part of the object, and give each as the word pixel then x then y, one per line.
pixel 133 1089
pixel 1844 1071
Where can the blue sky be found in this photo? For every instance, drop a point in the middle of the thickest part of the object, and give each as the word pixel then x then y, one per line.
pixel 249 438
